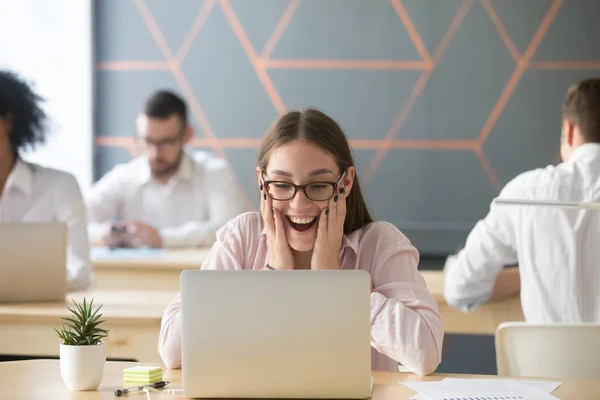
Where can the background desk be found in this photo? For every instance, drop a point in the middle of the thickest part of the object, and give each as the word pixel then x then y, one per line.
pixel 482 321
pixel 133 319
pixel 160 272
pixel 41 379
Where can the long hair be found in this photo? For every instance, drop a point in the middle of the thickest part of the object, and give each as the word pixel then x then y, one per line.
pixel 315 127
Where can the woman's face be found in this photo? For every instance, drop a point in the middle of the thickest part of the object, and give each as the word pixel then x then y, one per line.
pixel 302 163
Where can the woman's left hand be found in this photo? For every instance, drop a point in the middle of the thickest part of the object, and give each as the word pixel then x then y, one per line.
pixel 326 252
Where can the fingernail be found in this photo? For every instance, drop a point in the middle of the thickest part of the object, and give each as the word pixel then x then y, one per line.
pixel 342 190
pixel 264 196
pixel 260 187
pixel 327 212
pixel 335 198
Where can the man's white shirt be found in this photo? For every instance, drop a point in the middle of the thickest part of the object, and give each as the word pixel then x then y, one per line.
pixel 557 249
pixel 187 211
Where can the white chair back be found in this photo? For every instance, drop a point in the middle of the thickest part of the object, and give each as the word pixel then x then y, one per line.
pixel 548 350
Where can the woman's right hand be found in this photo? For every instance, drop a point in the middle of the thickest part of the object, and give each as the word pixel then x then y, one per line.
pixel 280 254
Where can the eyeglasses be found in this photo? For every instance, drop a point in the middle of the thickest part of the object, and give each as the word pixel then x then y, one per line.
pixel 143 143
pixel 315 191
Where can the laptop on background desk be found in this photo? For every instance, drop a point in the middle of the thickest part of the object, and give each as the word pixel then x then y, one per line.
pixel 276 334
pixel 33 259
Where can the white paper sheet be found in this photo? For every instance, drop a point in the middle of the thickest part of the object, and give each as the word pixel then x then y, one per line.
pixel 482 389
pixel 544 386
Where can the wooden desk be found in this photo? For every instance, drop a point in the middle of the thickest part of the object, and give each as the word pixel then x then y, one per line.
pixel 132 318
pixel 41 379
pixel 157 273
pixel 482 321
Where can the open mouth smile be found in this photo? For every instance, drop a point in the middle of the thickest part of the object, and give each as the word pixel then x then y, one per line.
pixel 302 224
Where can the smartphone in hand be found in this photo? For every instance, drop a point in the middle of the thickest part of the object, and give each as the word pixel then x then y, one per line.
pixel 118 234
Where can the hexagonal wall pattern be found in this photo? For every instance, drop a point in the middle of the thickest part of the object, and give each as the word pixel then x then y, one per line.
pixel 476 65
pixel 225 83
pixel 341 29
pixel 431 18
pixel 443 104
pixel 348 95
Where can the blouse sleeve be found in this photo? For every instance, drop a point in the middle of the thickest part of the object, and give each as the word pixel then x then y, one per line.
pixel 405 321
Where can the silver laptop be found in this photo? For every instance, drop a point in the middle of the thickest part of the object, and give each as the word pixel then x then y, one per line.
pixel 276 334
pixel 33 261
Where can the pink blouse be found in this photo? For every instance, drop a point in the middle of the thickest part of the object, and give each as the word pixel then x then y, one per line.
pixel 406 326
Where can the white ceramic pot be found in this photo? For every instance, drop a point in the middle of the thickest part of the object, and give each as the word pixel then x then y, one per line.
pixel 82 367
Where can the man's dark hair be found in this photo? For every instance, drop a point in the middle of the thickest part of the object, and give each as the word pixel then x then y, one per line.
pixel 582 107
pixel 21 104
pixel 163 104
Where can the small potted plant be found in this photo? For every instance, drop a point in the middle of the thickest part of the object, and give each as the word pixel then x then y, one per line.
pixel 82 352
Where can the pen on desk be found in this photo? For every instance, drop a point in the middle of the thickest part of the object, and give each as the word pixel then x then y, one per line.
pixel 154 385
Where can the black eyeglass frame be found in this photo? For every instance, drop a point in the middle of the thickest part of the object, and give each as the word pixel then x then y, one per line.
pixel 143 143
pixel 303 188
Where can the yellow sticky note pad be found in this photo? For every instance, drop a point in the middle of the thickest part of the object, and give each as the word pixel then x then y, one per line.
pixel 142 370
pixel 142 374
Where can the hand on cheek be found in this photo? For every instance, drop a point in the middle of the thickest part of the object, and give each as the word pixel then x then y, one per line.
pixel 330 233
pixel 280 254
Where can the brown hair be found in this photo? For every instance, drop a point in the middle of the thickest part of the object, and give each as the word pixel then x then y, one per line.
pixel 582 107
pixel 315 127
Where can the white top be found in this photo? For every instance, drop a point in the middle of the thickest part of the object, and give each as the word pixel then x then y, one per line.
pixel 557 249
pixel 187 211
pixel 36 194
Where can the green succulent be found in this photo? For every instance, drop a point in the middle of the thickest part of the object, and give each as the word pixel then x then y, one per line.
pixel 82 328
